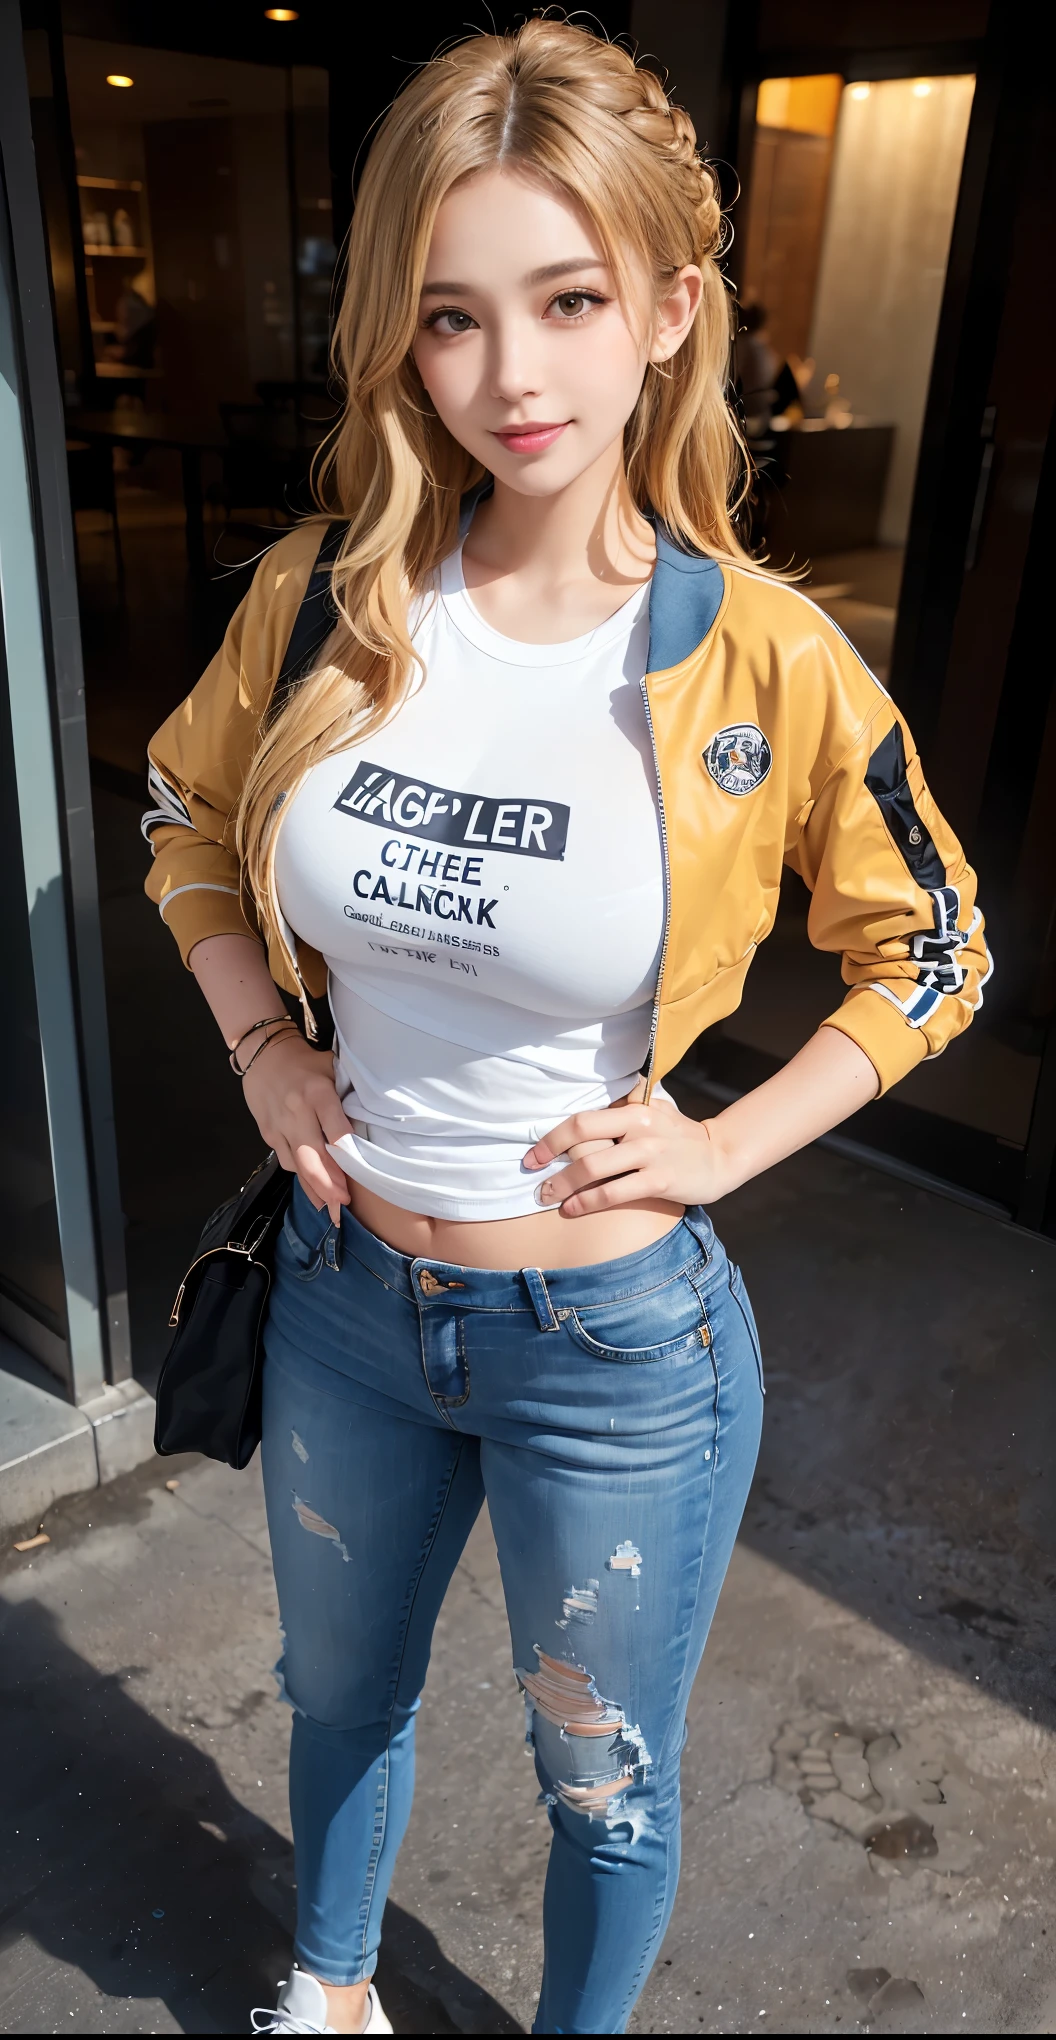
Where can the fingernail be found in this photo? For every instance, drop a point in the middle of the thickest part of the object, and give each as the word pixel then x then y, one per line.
pixel 531 1159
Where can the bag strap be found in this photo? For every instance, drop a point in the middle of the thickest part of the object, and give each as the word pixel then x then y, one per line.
pixel 313 623
pixel 317 614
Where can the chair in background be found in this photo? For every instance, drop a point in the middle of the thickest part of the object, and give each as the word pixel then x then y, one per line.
pixel 91 472
pixel 312 405
pixel 264 465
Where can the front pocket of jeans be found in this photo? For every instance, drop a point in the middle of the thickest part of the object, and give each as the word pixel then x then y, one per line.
pixel 307 1260
pixel 615 1331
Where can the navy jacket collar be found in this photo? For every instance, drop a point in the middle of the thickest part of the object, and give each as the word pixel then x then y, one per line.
pixel 683 602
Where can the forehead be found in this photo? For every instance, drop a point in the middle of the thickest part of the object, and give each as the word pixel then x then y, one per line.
pixel 510 220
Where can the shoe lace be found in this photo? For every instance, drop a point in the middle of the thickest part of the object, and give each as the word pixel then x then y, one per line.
pixel 279 2022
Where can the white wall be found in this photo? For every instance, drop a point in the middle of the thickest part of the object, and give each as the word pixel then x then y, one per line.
pixel 895 176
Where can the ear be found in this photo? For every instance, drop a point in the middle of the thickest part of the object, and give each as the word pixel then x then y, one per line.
pixel 676 312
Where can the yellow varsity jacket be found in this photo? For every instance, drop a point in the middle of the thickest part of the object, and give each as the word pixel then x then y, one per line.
pixel 773 745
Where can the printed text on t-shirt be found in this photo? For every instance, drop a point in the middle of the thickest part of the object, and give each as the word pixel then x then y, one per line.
pixel 522 828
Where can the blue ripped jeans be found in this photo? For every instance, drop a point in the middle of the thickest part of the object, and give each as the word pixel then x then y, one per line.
pixel 611 1417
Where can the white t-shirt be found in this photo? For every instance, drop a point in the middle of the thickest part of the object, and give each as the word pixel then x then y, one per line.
pixel 484 878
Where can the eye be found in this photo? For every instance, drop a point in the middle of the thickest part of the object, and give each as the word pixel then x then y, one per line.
pixel 574 304
pixel 448 319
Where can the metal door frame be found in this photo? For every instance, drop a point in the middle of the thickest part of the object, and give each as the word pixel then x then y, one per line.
pixel 41 629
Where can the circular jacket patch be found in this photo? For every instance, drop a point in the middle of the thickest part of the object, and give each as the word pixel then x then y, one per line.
pixel 738 758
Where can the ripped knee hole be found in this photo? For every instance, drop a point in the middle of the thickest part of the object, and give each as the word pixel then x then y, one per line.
pixel 567 1697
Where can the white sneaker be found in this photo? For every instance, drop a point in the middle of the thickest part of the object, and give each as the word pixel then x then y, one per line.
pixel 302 2009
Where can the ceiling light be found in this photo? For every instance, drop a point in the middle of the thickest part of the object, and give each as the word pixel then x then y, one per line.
pixel 859 91
pixel 921 89
pixel 118 78
pixel 281 14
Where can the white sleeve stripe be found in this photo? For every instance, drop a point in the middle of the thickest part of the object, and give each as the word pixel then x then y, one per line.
pixel 161 818
pixel 156 778
pixel 166 795
pixel 172 812
pixel 923 999
pixel 232 890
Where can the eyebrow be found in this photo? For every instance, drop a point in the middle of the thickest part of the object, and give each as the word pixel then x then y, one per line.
pixel 547 275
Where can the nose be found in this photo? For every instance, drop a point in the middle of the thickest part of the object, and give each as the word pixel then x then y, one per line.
pixel 514 367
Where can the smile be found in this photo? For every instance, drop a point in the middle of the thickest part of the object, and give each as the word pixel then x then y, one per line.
pixel 529 438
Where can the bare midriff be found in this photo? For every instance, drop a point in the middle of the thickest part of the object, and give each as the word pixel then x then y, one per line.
pixel 550 1240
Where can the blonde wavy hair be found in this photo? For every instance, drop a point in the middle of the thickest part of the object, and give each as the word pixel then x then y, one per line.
pixel 555 101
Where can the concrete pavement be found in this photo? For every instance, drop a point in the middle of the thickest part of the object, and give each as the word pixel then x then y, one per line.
pixel 869 1833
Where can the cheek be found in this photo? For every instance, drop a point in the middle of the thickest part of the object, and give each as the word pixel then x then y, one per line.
pixel 608 375
pixel 449 379
pixel 603 355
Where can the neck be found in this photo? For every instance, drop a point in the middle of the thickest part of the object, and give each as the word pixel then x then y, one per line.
pixel 590 530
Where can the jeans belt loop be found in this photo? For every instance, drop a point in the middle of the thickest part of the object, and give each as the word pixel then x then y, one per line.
pixel 540 1295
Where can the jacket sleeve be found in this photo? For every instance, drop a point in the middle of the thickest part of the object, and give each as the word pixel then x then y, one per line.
pixel 893 893
pixel 198 760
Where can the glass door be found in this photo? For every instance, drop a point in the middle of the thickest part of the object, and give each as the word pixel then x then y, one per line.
pixel 851 207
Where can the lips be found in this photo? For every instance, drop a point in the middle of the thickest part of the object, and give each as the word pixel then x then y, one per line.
pixel 531 438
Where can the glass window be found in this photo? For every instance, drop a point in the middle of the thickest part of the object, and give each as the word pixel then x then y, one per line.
pixel 850 206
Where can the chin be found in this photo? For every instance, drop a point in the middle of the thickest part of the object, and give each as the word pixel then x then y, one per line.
pixel 536 474
pixel 537 481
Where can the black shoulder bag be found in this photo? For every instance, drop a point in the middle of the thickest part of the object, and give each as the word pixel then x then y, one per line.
pixel 208 1397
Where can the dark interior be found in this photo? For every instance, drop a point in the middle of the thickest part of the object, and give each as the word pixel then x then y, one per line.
pixel 194 217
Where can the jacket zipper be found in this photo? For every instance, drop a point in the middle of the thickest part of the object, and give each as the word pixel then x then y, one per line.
pixel 665 848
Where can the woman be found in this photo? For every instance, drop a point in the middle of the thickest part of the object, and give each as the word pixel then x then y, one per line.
pixel 525 818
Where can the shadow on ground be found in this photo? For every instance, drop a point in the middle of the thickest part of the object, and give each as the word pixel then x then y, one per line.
pixel 129 1862
pixel 911 1416
pixel 908 1341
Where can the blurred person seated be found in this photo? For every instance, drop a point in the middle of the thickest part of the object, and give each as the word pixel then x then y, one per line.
pixel 767 385
pixel 136 321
